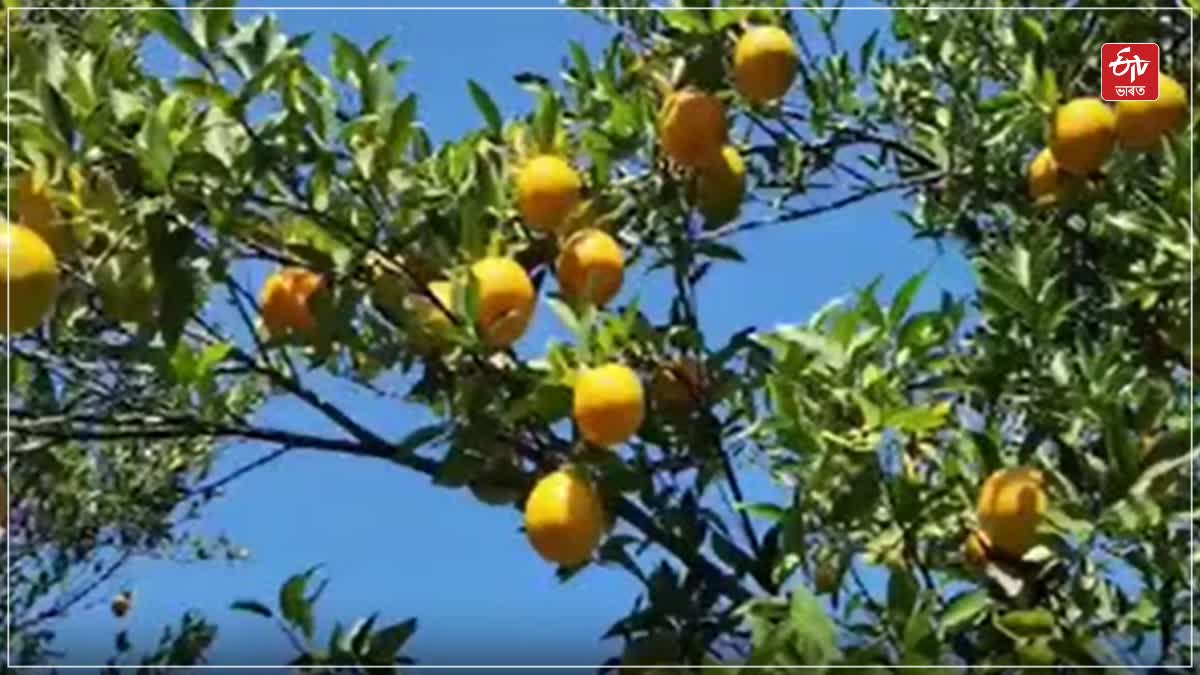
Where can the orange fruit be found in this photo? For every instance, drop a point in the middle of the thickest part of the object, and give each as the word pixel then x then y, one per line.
pixel 506 298
pixel 1140 124
pixel 29 269
pixel 609 404
pixel 721 187
pixel 591 267
pixel 548 190
pixel 1082 135
pixel 1011 505
pixel 678 386
pixel 692 128
pixel 764 63
pixel 1046 183
pixel 285 300
pixel 564 518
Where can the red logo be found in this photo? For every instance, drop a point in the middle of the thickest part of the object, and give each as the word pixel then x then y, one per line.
pixel 1129 71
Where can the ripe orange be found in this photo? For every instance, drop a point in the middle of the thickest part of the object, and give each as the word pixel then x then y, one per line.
pixel 1141 123
pixel 548 189
pixel 29 269
pixel 1046 183
pixel 506 298
pixel 285 301
pixel 1010 507
pixel 721 187
pixel 1082 135
pixel 692 128
pixel 564 518
pixel 591 267
pixel 764 63
pixel 678 386
pixel 609 404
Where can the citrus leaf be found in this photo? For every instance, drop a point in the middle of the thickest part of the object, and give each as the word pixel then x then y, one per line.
pixel 253 607
pixel 166 23
pixel 964 609
pixel 1026 622
pixel 491 114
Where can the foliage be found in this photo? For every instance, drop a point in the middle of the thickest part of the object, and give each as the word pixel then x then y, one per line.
pixel 879 417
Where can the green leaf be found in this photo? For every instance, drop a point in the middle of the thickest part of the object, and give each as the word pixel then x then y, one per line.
pixel 203 89
pixel 400 124
pixel 156 152
pixel 296 609
pixel 904 297
pixel 769 512
pixel 567 315
pixel 719 251
pixel 491 114
pixel 545 121
pixel 814 634
pixel 1029 33
pixel 217 23
pixel 902 592
pixel 964 609
pixel 58 112
pixel 580 61
pixel 918 419
pixel 210 357
pixel 730 554
pixel 417 438
pixel 686 20
pixel 166 22
pixel 380 88
pixel 253 607
pixel 1023 623
pixel 348 63
pixel 387 642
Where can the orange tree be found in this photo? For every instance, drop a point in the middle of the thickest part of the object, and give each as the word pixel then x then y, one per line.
pixel 1013 463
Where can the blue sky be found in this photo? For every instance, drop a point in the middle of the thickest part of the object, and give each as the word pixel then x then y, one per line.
pixel 390 541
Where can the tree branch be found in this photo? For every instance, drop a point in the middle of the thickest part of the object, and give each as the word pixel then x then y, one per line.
pixel 792 215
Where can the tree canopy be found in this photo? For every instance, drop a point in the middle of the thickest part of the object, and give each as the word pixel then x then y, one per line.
pixel 1016 462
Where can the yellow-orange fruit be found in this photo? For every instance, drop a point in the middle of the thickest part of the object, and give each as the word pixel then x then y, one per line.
pixel 721 187
pixel 285 300
pixel 591 267
pixel 564 518
pixel 1046 183
pixel 506 299
pixel 692 128
pixel 1140 124
pixel 609 404
pixel 1011 504
pixel 548 190
pixel 1082 135
pixel 29 270
pixel 764 63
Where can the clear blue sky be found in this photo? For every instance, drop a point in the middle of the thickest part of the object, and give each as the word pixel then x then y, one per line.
pixel 390 541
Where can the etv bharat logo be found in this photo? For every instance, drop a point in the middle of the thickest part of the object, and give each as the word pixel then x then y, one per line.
pixel 1129 71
